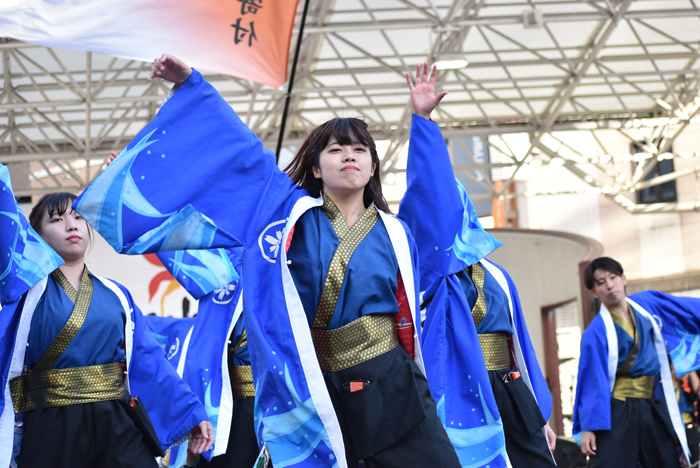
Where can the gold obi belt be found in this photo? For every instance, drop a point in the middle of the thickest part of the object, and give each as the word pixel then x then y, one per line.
pixel 241 382
pixel 627 386
pixel 64 387
pixel 352 344
pixel 496 351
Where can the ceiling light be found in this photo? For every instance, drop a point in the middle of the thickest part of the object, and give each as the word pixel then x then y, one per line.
pixel 452 62
pixel 664 104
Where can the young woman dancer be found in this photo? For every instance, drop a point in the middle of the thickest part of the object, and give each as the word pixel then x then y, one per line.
pixel 75 350
pixel 330 278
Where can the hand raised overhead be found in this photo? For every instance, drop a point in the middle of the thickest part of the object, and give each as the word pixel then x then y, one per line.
pixel 423 96
pixel 170 69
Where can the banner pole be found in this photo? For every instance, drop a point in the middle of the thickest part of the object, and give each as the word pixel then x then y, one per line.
pixel 291 81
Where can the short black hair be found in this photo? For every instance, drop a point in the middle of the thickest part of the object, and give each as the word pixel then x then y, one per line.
pixel 600 263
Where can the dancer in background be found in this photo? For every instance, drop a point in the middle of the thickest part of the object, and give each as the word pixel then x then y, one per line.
pixel 480 362
pixel 215 359
pixel 618 419
pixel 330 277
pixel 76 350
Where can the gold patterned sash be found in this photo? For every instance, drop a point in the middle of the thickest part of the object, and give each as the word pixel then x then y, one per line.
pixel 63 387
pixel 241 376
pixel 43 387
pixel 364 338
pixel 241 381
pixel 494 346
pixel 627 386
pixel 352 344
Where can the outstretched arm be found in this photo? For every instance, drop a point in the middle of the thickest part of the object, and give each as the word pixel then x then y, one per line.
pixel 215 185
pixel 435 207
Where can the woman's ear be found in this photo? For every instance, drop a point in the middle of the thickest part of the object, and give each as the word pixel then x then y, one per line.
pixel 317 172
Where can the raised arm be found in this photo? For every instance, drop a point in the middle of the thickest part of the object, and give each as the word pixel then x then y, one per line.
pixel 196 177
pixel 25 258
pixel 436 207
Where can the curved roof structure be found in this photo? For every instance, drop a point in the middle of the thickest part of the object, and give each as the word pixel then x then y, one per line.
pixel 534 66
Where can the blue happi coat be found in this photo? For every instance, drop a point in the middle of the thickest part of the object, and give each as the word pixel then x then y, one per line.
pixel 601 357
pixel 25 264
pixel 172 333
pixel 437 209
pixel 195 178
pixel 211 277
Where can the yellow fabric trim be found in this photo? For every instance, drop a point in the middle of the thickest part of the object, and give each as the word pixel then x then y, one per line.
pixel 631 330
pixel 357 342
pixel 242 382
pixel 478 276
pixel 64 338
pixel 496 351
pixel 633 387
pixel 349 240
pixel 63 387
pixel 242 341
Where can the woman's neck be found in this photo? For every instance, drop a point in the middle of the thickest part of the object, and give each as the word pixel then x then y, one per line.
pixel 350 204
pixel 73 271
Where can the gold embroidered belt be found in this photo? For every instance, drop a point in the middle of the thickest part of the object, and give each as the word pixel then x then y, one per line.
pixel 633 387
pixel 241 382
pixel 352 344
pixel 496 351
pixel 63 387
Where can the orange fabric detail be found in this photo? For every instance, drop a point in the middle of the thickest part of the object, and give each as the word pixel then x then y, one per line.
pixel 356 386
pixel 289 239
pixel 685 384
pixel 404 320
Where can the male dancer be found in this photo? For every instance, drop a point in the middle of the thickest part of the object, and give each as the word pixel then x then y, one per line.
pixel 616 415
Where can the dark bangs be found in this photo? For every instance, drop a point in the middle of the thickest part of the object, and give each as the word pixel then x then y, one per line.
pixel 348 131
pixel 53 203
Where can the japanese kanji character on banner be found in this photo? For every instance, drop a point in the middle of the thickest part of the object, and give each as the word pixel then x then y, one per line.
pixel 248 39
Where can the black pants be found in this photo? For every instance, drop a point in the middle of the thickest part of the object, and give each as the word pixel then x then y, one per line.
pixel 242 449
pixel 693 436
pixel 641 433
pixel 90 435
pixel 393 422
pixel 522 419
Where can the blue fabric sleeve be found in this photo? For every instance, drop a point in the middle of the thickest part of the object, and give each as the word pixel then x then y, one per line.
pixel 438 210
pixel 680 319
pixel 25 259
pixel 592 405
pixel 196 177
pixel 172 407
pixel 201 272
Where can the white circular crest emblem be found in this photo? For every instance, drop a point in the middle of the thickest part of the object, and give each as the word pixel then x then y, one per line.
pixel 270 241
pixel 224 294
pixel 173 349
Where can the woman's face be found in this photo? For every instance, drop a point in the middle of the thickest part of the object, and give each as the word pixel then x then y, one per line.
pixel 66 233
pixel 344 168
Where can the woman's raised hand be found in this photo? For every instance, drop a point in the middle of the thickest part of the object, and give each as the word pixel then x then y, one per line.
pixel 170 69
pixel 423 96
